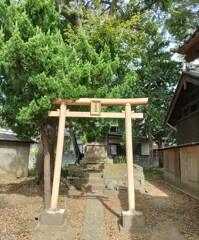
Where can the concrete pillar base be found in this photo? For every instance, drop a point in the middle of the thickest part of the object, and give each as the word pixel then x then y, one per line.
pixel 52 219
pixel 132 222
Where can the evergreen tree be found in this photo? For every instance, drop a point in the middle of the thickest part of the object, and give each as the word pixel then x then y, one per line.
pixel 37 66
pixel 158 75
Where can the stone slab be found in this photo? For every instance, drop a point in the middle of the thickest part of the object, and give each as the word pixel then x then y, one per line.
pixel 133 230
pixel 44 228
pixel 94 224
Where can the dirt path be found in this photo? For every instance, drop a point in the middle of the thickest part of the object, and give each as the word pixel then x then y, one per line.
pixel 170 215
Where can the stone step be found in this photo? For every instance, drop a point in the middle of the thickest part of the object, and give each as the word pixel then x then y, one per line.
pixel 93 185
pixel 94 177
pixel 92 181
pixel 90 188
pixel 95 188
pixel 96 174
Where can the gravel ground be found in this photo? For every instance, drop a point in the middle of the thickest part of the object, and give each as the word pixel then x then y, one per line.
pixel 21 201
pixel 169 213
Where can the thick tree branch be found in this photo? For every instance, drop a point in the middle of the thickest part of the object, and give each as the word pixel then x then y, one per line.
pixel 148 6
pixel 144 8
pixel 106 2
pixel 8 2
pixel 113 7
pixel 73 15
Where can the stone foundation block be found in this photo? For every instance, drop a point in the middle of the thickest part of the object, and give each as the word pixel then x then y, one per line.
pixel 52 219
pixel 132 222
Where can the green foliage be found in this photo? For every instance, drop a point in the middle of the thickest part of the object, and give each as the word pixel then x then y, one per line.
pixel 183 15
pixel 94 130
pixel 44 57
pixel 120 160
pixel 153 172
pixel 38 66
pixel 72 170
pixel 64 172
pixel 158 75
pixel 42 14
pixel 31 173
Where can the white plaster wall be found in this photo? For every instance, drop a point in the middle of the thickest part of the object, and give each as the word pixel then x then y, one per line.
pixel 144 149
pixel 13 160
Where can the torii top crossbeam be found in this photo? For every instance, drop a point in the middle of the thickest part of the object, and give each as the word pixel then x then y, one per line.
pixel 104 101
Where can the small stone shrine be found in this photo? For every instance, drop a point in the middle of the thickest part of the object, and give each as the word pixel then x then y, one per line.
pixel 96 153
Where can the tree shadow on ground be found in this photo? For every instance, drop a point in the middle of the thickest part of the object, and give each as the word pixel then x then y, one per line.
pixel 24 186
pixel 166 210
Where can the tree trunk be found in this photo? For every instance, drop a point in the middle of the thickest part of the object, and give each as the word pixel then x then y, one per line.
pixel 40 165
pixel 52 136
pixel 160 153
pixel 52 146
pixel 47 180
pixel 150 164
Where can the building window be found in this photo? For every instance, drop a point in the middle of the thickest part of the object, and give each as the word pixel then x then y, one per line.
pixel 114 129
pixel 113 149
pixel 192 104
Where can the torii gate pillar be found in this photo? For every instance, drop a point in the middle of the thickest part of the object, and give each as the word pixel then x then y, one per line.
pixel 131 221
pixel 129 158
pixel 59 155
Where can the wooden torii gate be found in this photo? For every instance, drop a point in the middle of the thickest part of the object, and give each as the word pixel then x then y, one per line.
pixel 95 112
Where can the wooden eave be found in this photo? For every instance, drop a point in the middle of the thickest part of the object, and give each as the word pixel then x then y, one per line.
pixel 191 47
pixel 186 77
pixel 174 99
pixel 180 146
